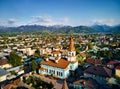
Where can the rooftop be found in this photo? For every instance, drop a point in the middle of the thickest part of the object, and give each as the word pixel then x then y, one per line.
pixel 113 63
pixel 62 63
pixel 99 70
pixel 3 72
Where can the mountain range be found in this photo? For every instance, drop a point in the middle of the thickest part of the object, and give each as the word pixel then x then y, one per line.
pixel 55 29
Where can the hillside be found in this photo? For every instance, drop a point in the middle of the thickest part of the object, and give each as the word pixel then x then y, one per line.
pixel 60 29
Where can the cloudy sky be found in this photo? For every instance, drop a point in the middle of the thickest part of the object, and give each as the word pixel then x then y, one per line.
pixel 59 12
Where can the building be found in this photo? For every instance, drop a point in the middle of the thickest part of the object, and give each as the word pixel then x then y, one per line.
pixel 112 64
pixel 99 73
pixel 3 74
pixel 85 83
pixel 58 64
pixel 117 71
pixel 4 63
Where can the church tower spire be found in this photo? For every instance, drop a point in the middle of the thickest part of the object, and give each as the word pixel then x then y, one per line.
pixel 71 51
pixel 71 47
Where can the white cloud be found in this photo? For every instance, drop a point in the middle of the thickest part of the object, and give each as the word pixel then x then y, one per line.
pixel 48 20
pixel 10 23
pixel 110 22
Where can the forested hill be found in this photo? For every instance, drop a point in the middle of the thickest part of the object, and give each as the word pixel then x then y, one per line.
pixel 61 29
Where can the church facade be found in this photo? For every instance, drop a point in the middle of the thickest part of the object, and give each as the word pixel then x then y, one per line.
pixel 59 65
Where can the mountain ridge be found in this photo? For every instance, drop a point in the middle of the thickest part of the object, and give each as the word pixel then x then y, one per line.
pixel 63 29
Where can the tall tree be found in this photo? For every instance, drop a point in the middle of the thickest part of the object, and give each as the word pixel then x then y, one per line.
pixel 15 59
pixel 34 65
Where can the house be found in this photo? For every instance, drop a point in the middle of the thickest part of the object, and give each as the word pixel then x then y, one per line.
pixel 27 50
pixel 86 83
pixel 58 65
pixel 3 74
pixel 94 61
pixel 8 86
pixel 112 64
pixel 117 71
pixel 4 63
pixel 99 73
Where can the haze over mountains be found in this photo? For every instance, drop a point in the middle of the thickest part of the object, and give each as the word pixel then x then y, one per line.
pixel 63 29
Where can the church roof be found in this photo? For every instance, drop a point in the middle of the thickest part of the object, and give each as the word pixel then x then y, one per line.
pixel 56 52
pixel 62 63
pixel 71 47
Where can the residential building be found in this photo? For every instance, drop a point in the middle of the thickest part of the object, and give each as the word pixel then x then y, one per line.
pixel 117 71
pixel 3 74
pixel 99 73
pixel 4 63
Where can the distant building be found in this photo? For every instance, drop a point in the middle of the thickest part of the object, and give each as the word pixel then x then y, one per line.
pixel 94 61
pixel 4 63
pixel 59 65
pixel 117 71
pixel 112 64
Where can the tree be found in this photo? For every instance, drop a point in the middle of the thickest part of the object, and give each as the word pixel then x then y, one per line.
pixel 34 65
pixel 37 53
pixel 80 59
pixel 90 46
pixel 15 59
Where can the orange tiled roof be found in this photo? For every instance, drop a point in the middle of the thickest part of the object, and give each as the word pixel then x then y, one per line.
pixel 56 52
pixel 42 69
pixel 71 47
pixel 62 63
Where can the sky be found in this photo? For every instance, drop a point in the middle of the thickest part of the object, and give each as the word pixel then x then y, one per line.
pixel 59 12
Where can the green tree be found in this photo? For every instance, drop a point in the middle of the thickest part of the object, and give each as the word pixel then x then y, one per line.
pixel 37 53
pixel 90 46
pixel 34 65
pixel 80 59
pixel 15 59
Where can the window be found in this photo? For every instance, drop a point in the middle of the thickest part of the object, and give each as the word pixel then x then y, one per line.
pixel 57 73
pixel 61 74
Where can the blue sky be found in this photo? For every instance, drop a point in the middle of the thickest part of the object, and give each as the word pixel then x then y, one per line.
pixel 54 12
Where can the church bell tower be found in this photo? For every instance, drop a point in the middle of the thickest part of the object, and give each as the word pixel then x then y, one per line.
pixel 71 51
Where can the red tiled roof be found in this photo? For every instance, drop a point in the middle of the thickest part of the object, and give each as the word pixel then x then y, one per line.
pixel 87 82
pixel 62 63
pixel 90 60
pixel 112 63
pixel 56 52
pixel 3 61
pixel 9 86
pixel 99 70
pixel 95 61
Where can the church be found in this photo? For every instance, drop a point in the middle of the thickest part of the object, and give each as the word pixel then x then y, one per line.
pixel 58 64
